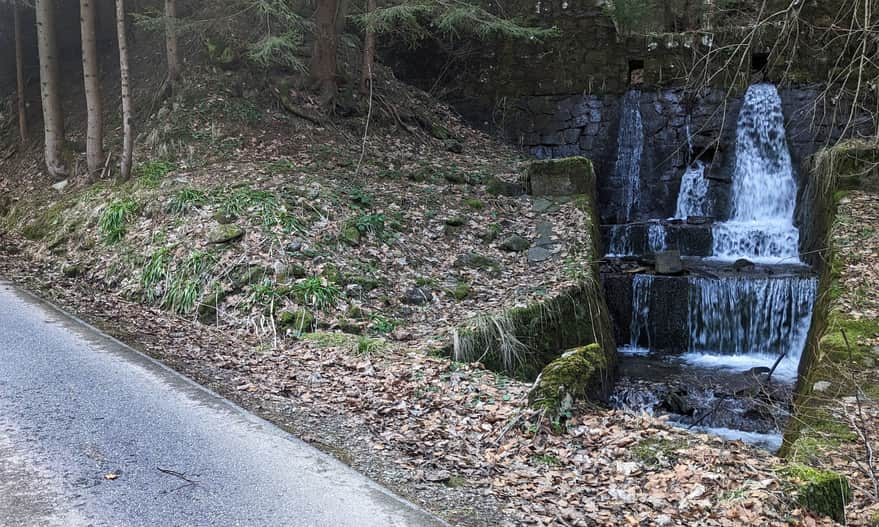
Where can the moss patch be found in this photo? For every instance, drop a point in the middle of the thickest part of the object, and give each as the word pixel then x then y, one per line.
pixel 820 491
pixel 578 375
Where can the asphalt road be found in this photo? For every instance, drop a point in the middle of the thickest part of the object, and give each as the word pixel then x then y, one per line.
pixel 77 408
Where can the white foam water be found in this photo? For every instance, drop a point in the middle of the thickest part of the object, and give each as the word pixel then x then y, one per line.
pixel 693 196
pixel 764 189
pixel 770 442
pixel 786 370
pixel 630 147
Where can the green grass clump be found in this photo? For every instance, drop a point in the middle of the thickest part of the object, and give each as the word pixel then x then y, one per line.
pixel 151 173
pixel 383 325
pixel 154 273
pixel 186 199
pixel 265 205
pixel 317 292
pixel 188 283
pixel 370 224
pixel 113 223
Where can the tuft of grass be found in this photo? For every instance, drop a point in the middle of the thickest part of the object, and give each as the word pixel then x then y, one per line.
pixel 113 223
pixel 368 346
pixel 188 283
pixel 154 273
pixel 265 205
pixel 186 199
pixel 151 173
pixel 383 325
pixel 317 292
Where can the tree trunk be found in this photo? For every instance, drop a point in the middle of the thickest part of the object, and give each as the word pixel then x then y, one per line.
pixel 342 16
pixel 95 132
pixel 19 75
pixel 127 139
pixel 53 115
pixel 171 48
pixel 368 52
pixel 323 59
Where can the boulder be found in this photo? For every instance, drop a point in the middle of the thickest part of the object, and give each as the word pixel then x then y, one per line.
pixel 473 260
pixel 669 262
pixel 225 234
pixel 561 177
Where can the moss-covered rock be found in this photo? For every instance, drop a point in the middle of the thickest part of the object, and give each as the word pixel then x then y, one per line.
pixel 473 260
pixel 296 321
pixel 822 492
pixel 225 234
pixel 561 177
pixel 580 374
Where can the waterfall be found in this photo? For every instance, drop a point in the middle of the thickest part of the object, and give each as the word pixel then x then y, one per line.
pixel 693 197
pixel 639 330
pixel 764 188
pixel 619 242
pixel 630 146
pixel 743 322
pixel 656 237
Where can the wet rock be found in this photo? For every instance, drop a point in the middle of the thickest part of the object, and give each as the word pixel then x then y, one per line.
pixel 544 234
pixel 742 264
pixel 417 296
pixel 225 234
pixel 669 262
pixel 698 220
pixel 515 243
pixel 677 402
pixel 539 254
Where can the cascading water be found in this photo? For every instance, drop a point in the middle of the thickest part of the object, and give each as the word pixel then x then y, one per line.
pixel 694 363
pixel 764 188
pixel 657 238
pixel 742 322
pixel 693 197
pixel 639 330
pixel 630 143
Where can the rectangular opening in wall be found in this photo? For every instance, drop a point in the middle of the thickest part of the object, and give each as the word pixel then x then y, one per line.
pixel 636 72
pixel 759 62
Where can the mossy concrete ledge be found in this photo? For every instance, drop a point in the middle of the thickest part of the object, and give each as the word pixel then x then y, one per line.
pixel 560 177
pixel 822 492
pixel 521 341
pixel 580 374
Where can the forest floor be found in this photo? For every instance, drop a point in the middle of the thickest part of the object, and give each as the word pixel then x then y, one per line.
pixel 389 248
